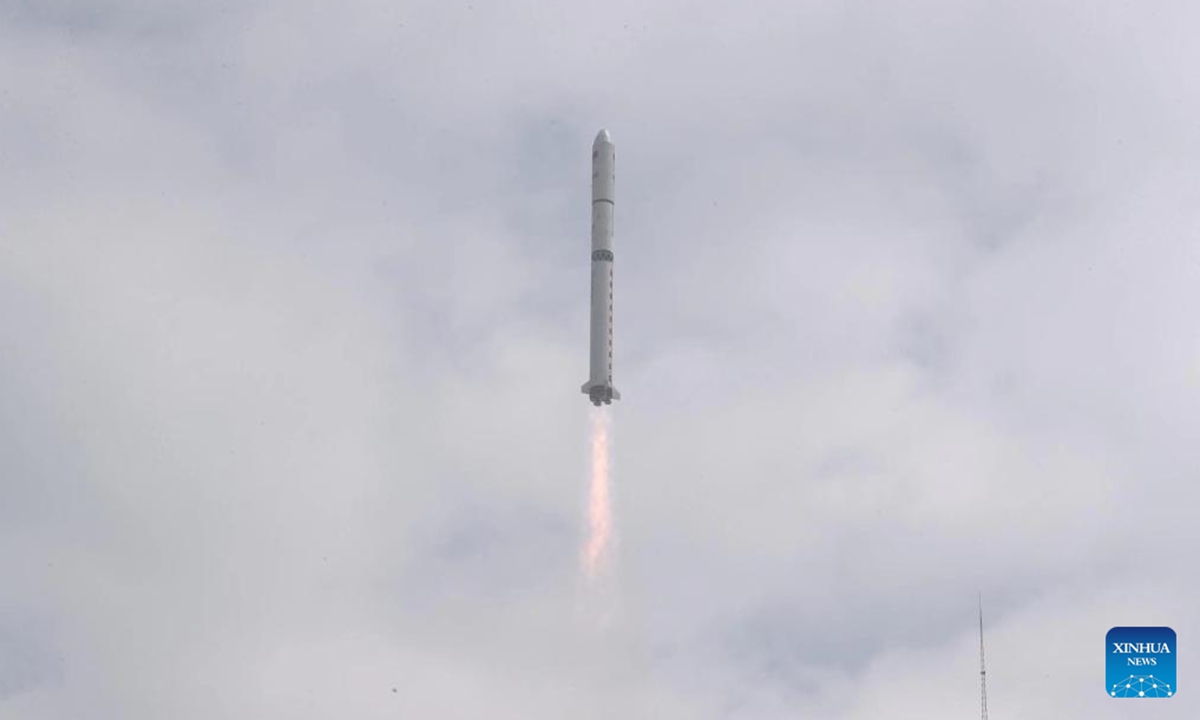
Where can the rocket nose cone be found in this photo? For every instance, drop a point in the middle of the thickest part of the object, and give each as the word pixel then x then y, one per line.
pixel 602 138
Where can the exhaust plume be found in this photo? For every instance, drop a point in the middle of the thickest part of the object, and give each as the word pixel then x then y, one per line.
pixel 598 547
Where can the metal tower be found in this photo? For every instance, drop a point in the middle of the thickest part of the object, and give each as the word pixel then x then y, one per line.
pixel 982 668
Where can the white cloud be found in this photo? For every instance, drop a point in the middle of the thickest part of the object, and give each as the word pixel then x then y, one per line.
pixel 294 306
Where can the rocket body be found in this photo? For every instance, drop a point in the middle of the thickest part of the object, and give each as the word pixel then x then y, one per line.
pixel 599 387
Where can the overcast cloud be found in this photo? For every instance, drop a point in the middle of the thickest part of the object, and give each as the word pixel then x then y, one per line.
pixel 293 307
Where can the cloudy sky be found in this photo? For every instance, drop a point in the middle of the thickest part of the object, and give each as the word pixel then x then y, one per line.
pixel 293 299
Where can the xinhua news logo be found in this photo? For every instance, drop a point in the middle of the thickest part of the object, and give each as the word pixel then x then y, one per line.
pixel 1141 662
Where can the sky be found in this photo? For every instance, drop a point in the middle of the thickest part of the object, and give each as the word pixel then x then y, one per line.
pixel 294 303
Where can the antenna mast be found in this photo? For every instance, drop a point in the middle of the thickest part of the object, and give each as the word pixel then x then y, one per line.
pixel 982 668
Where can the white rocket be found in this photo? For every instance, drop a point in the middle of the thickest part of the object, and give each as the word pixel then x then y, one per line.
pixel 599 387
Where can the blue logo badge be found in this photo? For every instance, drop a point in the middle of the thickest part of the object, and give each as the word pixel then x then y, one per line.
pixel 1140 662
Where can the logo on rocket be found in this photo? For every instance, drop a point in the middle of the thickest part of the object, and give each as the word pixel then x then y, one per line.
pixel 599 387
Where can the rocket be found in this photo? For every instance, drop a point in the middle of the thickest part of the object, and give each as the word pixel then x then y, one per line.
pixel 599 387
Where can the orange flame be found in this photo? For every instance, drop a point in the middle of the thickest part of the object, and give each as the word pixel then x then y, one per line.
pixel 598 549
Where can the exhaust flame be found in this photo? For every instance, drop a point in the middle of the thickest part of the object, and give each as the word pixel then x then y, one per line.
pixel 597 551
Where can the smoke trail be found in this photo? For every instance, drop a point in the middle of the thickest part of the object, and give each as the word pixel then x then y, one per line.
pixel 598 548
